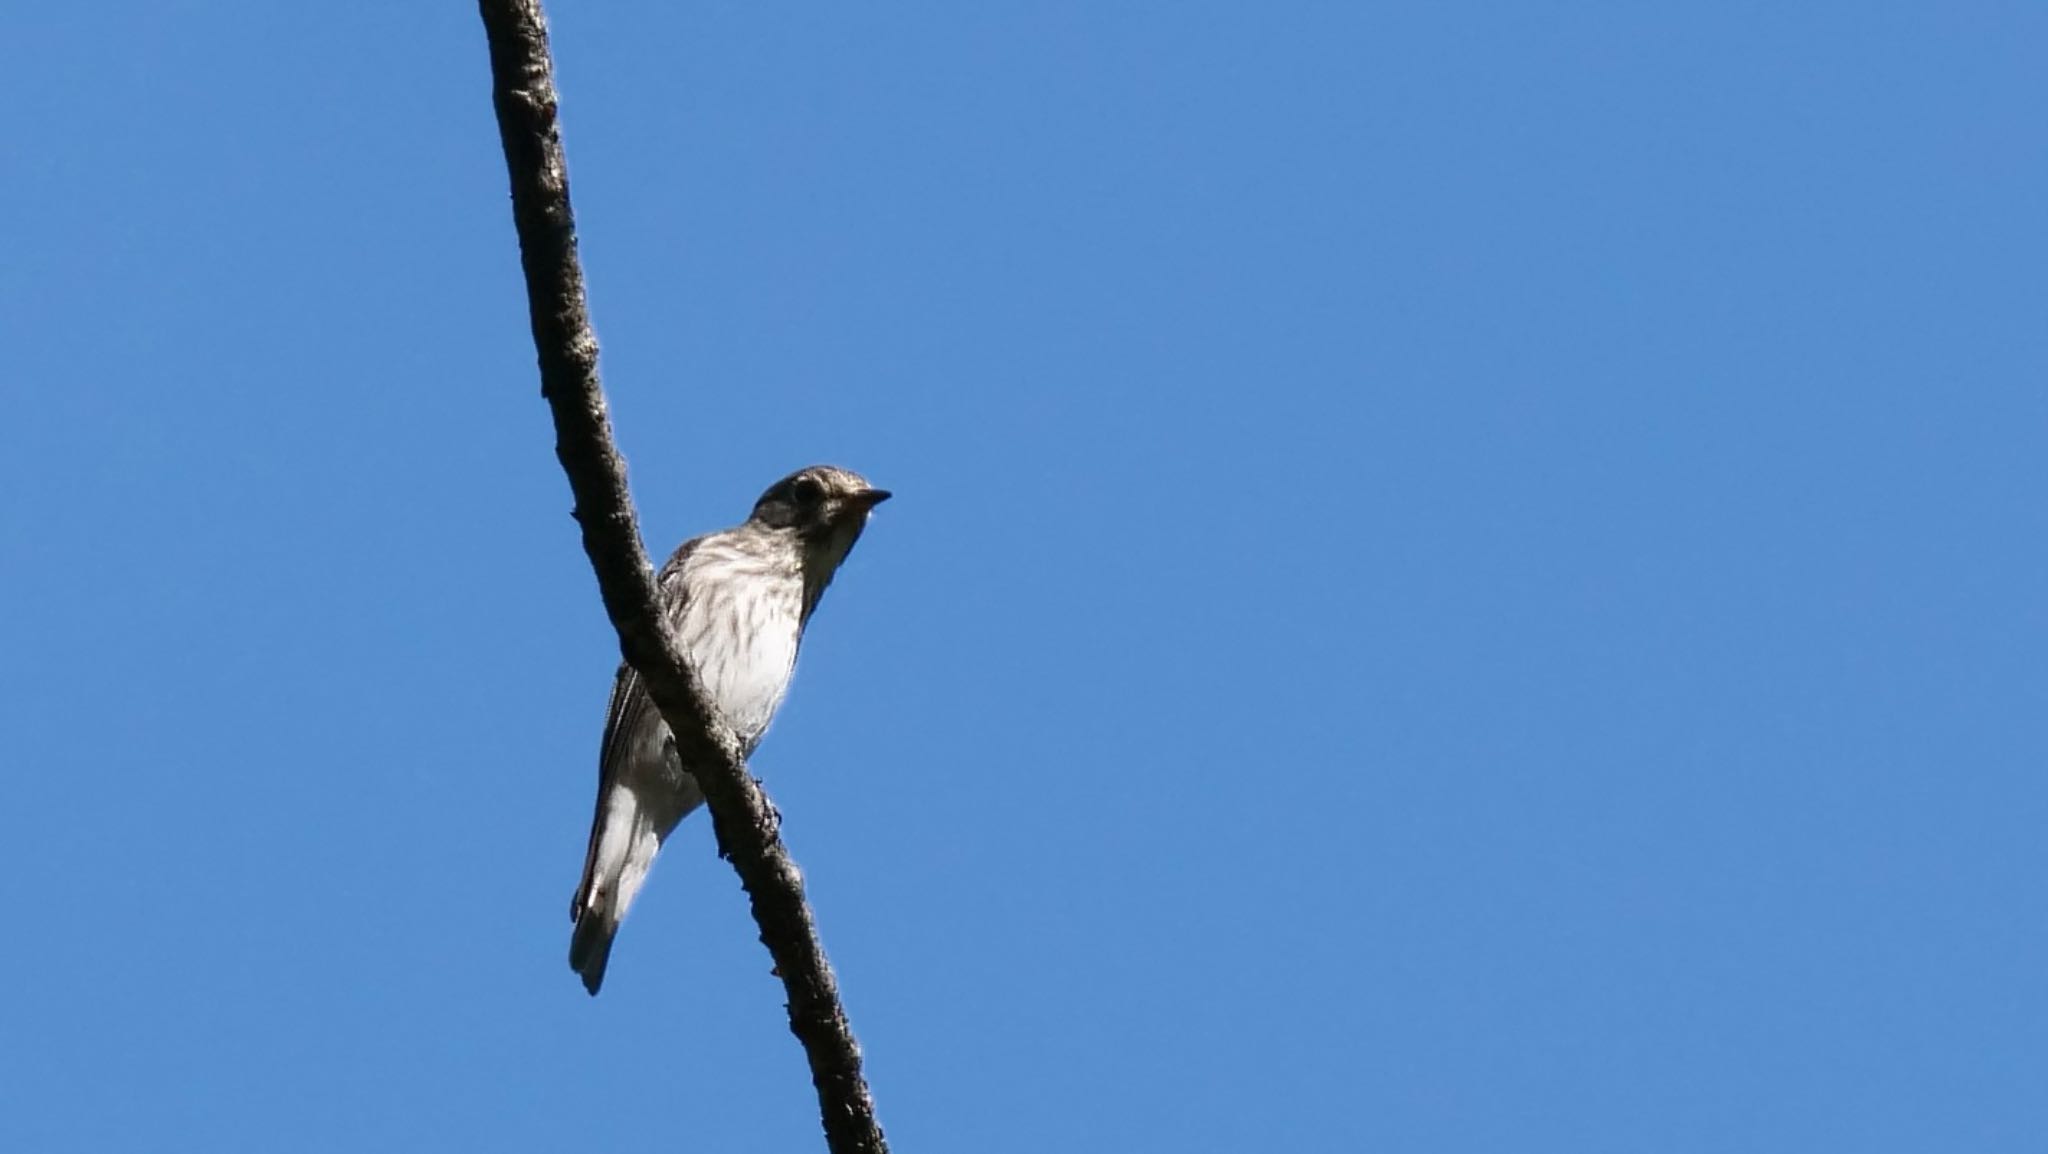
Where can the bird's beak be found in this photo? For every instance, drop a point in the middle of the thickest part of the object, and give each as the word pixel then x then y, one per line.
pixel 869 498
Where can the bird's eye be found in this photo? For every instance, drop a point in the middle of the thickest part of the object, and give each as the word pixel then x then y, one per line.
pixel 807 490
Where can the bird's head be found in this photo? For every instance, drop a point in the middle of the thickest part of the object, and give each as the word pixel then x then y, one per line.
pixel 826 507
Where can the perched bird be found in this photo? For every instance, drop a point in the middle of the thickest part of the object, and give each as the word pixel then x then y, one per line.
pixel 738 600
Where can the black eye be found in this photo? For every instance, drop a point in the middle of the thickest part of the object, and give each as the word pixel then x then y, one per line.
pixel 807 491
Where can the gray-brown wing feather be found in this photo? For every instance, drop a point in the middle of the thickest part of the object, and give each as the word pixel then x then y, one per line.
pixel 630 710
pixel 629 707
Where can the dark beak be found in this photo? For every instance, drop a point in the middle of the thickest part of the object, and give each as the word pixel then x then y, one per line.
pixel 873 497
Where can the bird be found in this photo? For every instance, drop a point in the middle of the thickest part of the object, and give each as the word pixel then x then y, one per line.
pixel 738 600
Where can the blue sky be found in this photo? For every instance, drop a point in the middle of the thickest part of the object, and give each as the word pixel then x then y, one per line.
pixel 1465 577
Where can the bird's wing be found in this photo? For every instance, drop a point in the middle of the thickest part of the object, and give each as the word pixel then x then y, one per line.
pixel 631 710
pixel 628 712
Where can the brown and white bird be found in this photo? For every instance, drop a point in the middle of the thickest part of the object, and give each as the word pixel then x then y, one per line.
pixel 738 600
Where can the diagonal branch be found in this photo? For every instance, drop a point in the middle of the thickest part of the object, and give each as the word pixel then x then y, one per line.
pixel 523 90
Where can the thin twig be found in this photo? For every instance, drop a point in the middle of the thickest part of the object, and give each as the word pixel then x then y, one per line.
pixel 523 90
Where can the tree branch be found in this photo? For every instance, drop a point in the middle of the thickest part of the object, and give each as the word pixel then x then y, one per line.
pixel 523 90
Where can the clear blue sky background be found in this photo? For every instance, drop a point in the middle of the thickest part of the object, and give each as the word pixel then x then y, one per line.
pixel 1466 577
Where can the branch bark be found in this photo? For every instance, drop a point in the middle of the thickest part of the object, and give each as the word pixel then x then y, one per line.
pixel 523 91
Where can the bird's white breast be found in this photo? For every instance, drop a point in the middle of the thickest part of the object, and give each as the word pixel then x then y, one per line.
pixel 740 626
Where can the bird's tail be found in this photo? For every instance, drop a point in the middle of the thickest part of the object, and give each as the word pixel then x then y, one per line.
pixel 623 841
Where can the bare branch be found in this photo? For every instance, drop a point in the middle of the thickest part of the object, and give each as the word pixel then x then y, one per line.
pixel 523 90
